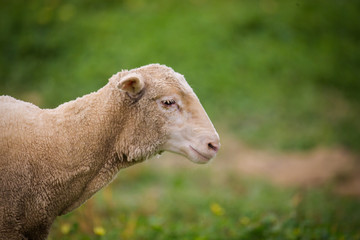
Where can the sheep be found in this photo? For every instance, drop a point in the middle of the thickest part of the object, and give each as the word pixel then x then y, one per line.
pixel 53 160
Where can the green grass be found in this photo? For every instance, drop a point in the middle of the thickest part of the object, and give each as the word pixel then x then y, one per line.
pixel 280 74
pixel 149 203
pixel 277 74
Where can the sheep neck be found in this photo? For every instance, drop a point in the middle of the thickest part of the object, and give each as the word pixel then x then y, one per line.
pixel 90 127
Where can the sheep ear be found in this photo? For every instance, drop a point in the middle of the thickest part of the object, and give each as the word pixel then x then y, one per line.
pixel 131 83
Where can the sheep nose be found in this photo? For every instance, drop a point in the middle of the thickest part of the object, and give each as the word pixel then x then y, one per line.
pixel 214 146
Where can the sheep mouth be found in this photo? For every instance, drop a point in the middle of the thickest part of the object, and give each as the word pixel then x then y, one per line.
pixel 206 158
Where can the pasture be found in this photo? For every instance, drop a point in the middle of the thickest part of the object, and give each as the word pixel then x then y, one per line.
pixel 280 79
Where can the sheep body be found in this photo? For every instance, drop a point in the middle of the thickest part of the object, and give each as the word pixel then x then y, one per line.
pixel 52 160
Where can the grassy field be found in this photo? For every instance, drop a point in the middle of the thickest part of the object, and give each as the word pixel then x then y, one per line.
pixel 277 74
pixel 199 203
pixel 284 74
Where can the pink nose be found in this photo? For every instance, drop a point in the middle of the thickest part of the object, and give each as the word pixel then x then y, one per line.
pixel 213 146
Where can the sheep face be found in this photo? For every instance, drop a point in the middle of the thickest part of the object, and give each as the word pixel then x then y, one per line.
pixel 190 131
pixel 185 127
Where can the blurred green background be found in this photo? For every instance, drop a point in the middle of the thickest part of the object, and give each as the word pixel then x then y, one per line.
pixel 281 74
pixel 277 74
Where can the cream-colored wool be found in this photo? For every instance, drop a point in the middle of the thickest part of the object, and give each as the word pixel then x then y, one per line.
pixel 52 160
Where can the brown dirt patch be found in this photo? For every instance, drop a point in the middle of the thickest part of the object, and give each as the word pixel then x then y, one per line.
pixel 301 169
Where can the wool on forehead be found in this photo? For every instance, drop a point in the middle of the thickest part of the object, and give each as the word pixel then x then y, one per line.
pixel 161 74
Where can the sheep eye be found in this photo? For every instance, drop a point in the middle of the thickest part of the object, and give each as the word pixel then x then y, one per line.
pixel 168 102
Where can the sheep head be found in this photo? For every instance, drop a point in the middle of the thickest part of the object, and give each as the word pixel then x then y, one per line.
pixel 169 116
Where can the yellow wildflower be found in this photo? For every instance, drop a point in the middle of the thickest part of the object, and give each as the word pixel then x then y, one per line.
pixel 65 228
pixel 100 231
pixel 216 209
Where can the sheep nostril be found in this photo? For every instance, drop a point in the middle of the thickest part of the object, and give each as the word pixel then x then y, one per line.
pixel 213 146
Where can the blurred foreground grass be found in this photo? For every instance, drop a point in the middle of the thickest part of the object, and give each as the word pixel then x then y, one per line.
pixel 149 202
pixel 280 74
